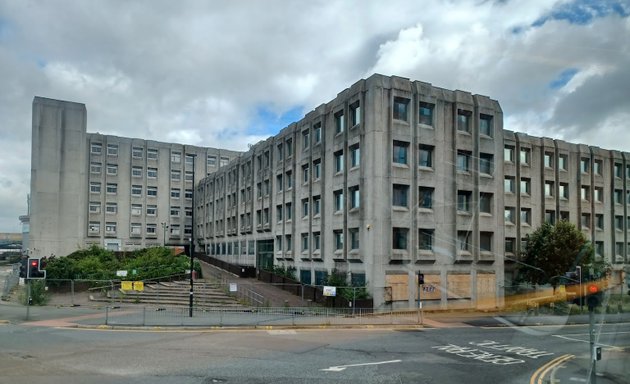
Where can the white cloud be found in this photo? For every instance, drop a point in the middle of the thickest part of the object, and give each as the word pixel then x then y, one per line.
pixel 198 72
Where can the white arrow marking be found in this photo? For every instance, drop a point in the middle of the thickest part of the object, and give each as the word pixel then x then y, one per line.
pixel 340 368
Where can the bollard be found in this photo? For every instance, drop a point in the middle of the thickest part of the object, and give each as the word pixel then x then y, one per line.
pixel 144 316
pixel 106 315
pixel 72 291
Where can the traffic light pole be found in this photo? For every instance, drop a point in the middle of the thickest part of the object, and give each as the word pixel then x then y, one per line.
pixel 591 333
pixel 28 298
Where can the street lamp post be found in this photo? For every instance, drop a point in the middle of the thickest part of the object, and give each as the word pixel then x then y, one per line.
pixel 164 227
pixel 192 238
pixel 579 272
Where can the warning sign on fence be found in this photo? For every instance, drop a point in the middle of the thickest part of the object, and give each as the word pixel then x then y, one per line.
pixel 132 285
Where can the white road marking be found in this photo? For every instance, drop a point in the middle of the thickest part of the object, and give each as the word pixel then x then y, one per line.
pixel 613 347
pixel 282 332
pixel 581 380
pixel 340 368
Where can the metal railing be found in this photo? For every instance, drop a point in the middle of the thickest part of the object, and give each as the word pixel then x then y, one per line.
pixel 11 280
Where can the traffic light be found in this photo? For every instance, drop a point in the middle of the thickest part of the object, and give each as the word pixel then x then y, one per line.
pixel 597 353
pixel 420 278
pixel 23 268
pixel 33 270
pixel 594 296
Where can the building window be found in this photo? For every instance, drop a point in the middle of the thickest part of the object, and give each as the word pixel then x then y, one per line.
pixel 508 154
pixel 509 245
pixel 289 211
pixel 463 241
pixel 151 229
pixel 548 188
pixel 151 210
pixel 136 190
pixel 305 211
pixel 111 208
pixel 306 143
pixel 526 186
pixel 176 175
pixel 425 239
pixel 110 227
pixel 463 120
pixel 425 155
pixel 289 148
pixel 508 184
pixel 152 173
pixel 525 156
pixel 112 149
pixel 340 123
pixel 354 238
pixel 305 177
pixel 464 201
pixel 188 194
pixel 317 202
pixel 585 193
pixel 95 187
pixel 599 221
pixel 548 160
pixel 304 242
pixel 425 197
pixel 176 157
pixel 223 161
pixel 338 196
pixel 485 125
pixel 564 215
pixel 152 191
pixel 95 207
pixel 628 171
pixel 355 156
pixel 96 148
pixel 137 152
pixel 188 212
pixel 175 193
pixel 485 203
pixel 112 169
pixel 288 240
pixel 94 227
pixel 550 217
pixel 563 191
pixel 175 211
pixel 136 229
pixel 599 248
pixel 112 188
pixel 317 133
pixel 486 163
pixel 584 165
pixel 597 167
pixel 426 113
pixel 485 241
pixel 509 213
pixel 279 211
pixel 401 105
pixel 316 241
pixel 188 176
pixel 317 169
pixel 211 161
pixel 338 236
pixel 399 238
pixel 598 194
pixel 562 162
pixel 152 154
pixel 619 249
pixel 355 197
pixel 136 171
pixel 463 161
pixel 618 196
pixel 289 180
pixel 95 167
pixel 338 161
pixel 586 220
pixel 355 114
pixel 399 153
pixel 526 216
pixel 400 195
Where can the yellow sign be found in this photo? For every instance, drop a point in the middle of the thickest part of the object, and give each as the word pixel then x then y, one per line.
pixel 126 285
pixel 138 286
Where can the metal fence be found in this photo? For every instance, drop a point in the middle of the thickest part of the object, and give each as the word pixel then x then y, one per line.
pixel 257 317
pixel 11 280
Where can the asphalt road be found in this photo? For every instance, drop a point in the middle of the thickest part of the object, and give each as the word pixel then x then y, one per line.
pixel 464 354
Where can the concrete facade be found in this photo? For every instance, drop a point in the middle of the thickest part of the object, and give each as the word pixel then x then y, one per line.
pixel 118 193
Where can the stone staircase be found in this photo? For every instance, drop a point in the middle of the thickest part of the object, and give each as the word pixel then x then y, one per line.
pixel 175 293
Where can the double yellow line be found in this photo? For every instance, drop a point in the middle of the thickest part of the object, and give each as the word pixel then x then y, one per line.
pixel 539 375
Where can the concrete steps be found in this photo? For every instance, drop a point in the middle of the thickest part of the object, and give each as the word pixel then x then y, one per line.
pixel 176 293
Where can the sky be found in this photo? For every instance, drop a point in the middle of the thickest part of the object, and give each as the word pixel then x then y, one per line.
pixel 230 73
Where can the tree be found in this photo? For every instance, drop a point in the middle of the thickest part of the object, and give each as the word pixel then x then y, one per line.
pixel 554 250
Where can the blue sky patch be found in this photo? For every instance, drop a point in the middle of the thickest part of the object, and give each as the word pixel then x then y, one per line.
pixel 563 78
pixel 582 12
pixel 267 122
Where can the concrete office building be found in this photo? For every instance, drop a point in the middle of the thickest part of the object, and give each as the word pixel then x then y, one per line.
pixel 115 192
pixel 389 179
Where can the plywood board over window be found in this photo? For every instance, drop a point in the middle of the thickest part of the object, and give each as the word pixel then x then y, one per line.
pixel 486 290
pixel 399 284
pixel 432 288
pixel 459 286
